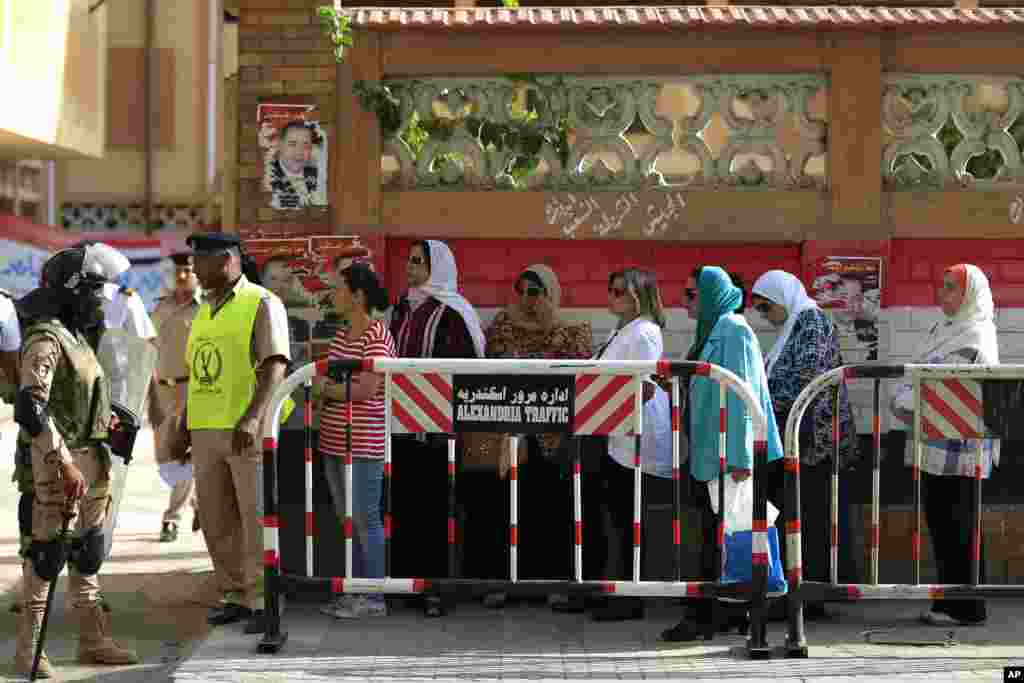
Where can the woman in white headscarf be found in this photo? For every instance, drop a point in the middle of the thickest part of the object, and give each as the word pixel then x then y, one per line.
pixel 807 346
pixel 431 320
pixel 966 336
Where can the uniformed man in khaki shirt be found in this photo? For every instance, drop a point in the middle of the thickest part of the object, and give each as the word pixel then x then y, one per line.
pixel 237 353
pixel 173 316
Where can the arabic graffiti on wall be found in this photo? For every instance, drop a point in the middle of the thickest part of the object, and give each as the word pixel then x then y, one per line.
pixel 513 404
pixel 607 214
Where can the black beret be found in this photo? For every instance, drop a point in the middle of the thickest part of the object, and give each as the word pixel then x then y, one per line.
pixel 182 258
pixel 211 242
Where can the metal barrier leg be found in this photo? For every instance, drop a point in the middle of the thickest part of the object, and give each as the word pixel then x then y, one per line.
pixel 307 428
pixel 452 546
pixel 273 638
pixel 513 532
pixel 577 511
pixel 796 641
pixel 876 485
pixel 757 642
pixel 976 526
pixel 387 476
pixel 833 536
pixel 676 504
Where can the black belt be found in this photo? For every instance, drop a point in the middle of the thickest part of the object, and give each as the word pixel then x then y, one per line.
pixel 174 381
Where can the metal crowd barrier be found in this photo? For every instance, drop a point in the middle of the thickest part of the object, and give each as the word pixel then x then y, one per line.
pixel 949 403
pixel 436 396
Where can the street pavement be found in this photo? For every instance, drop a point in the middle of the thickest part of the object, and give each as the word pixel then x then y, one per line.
pixel 160 594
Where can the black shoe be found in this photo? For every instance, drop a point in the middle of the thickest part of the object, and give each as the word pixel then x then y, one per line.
pixel 257 623
pixel 687 631
pixel 619 610
pixel 169 532
pixel 228 613
pixel 433 607
pixel 815 611
pixel 195 523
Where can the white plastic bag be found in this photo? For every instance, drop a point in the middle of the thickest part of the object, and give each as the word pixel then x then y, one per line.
pixel 739 504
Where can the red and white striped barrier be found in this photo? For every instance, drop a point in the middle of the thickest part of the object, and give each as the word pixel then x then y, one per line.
pixel 421 397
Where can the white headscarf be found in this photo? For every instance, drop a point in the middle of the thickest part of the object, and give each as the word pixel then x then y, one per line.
pixel 786 290
pixel 443 285
pixel 972 327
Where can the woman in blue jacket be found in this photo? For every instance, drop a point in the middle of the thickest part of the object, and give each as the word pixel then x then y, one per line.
pixel 723 338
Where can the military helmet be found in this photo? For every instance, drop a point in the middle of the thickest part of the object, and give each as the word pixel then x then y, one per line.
pixel 90 266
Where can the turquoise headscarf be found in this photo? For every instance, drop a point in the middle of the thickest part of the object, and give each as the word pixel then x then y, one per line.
pixel 718 297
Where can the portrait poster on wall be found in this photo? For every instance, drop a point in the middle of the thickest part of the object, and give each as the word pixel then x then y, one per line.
pixel 850 288
pixel 294 155
pixel 300 272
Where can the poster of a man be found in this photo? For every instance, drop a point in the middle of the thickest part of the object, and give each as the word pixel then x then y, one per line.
pixel 850 288
pixel 295 155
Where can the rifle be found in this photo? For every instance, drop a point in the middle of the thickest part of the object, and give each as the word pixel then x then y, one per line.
pixel 62 536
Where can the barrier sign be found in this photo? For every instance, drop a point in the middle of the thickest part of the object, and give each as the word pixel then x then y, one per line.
pixel 528 404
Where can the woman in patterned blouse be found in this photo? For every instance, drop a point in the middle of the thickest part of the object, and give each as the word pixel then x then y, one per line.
pixel 530 327
pixel 807 346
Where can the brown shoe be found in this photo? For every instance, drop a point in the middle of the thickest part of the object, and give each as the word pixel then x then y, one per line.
pixel 29 622
pixel 95 646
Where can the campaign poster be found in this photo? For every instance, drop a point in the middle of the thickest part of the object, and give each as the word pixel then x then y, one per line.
pixel 513 404
pixel 850 289
pixel 294 149
pixel 299 270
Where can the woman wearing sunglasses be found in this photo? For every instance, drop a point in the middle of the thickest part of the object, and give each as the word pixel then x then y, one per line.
pixel 807 346
pixel 634 298
pixel 724 338
pixel 531 326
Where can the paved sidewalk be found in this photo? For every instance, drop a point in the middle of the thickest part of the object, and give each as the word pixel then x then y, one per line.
pixel 529 642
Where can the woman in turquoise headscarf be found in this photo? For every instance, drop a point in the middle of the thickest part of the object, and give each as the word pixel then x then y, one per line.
pixel 725 339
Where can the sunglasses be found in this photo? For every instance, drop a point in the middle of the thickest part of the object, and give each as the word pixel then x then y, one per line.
pixel 417 260
pixel 529 291
pixel 690 293
pixel 762 308
pixel 616 292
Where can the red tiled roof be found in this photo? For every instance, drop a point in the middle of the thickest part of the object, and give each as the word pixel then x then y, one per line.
pixel 687 17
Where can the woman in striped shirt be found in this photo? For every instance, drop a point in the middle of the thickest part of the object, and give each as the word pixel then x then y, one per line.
pixel 358 293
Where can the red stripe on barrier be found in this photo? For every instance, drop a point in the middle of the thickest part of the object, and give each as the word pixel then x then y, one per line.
pixel 975 546
pixel 367 364
pixel 636 460
pixel 608 587
pixel 451 531
pixel 942 408
pixel 347 531
pixel 310 528
pixel 675 418
pixel 760 559
pixel 675 474
pixel 915 545
pixel 693 590
pixel 271 522
pixel 759 525
pixel 957 388
pixel 876 536
pixel 616 418
pixel 915 472
pixel 387 526
pixel 854 593
pixel 399 412
pixel 721 420
pixel 977 471
pixel 835 535
pixel 664 368
pixel 577 468
pixel 269 444
pixel 513 535
pixel 420 585
pixel 791 465
pixel 720 536
pixel 676 532
pixel 792 526
pixel 440 385
pixel 930 430
pixel 387 469
pixel 451 469
pixel 578 537
pixel 513 473
pixel 307 414
pixel 598 401
pixel 270 558
pixel 876 424
pixel 337 584
pixel 703 369
pixel 307 454
pixel 794 574
pixel 423 403
pixel 936 593
pixel 321 367
pixel 636 534
pixel 584 381
pixel 348 458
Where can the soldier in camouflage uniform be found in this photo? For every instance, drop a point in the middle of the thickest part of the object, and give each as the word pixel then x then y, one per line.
pixel 64 412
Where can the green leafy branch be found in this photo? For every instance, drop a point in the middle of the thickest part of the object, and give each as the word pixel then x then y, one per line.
pixel 339 29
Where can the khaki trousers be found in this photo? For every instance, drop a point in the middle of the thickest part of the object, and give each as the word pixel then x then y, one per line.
pixel 47 519
pixel 166 401
pixel 229 491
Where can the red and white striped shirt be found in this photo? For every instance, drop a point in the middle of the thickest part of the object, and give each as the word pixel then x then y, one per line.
pixel 367 416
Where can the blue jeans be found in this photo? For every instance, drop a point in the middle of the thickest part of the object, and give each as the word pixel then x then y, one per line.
pixel 367 527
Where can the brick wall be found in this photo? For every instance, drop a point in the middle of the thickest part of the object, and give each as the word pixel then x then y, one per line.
pixel 284 57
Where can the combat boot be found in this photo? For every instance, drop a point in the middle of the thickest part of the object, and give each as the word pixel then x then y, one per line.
pixel 30 620
pixel 95 646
